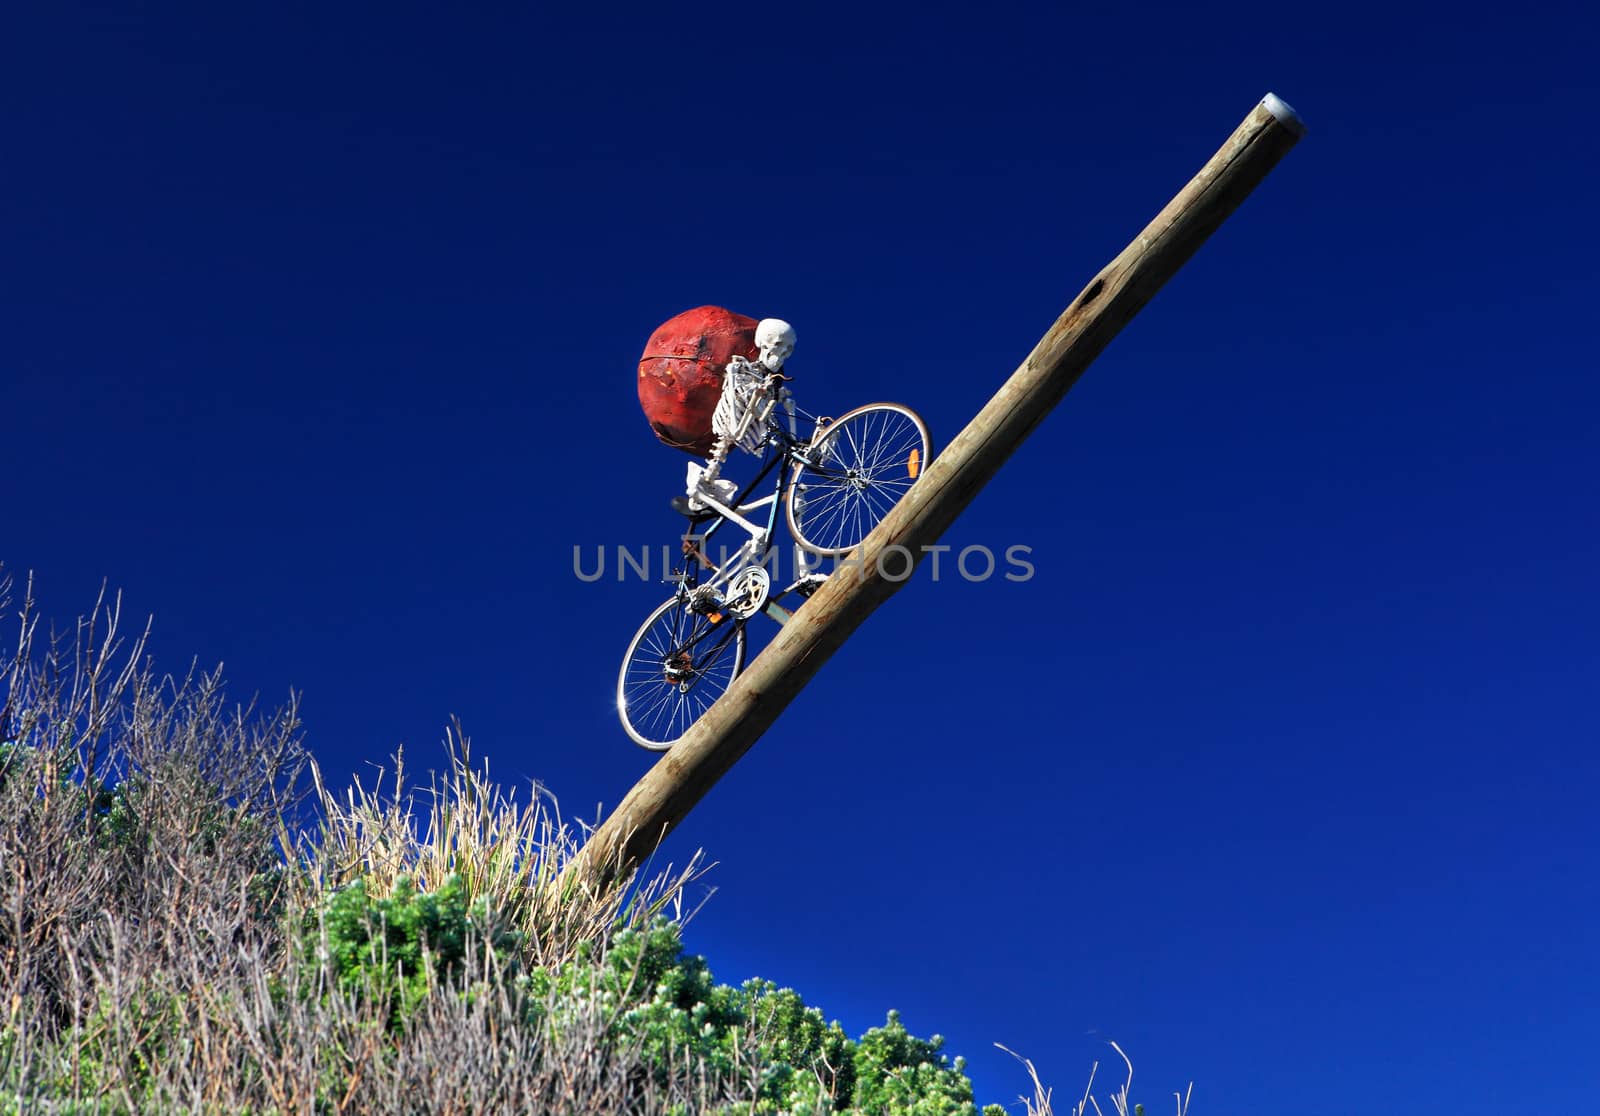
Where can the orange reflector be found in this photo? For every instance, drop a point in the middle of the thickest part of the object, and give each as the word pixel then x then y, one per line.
pixel 716 617
pixel 914 466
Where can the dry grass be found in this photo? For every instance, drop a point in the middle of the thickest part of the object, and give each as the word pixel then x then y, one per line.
pixel 147 957
pixel 157 946
pixel 462 824
pixel 1041 1103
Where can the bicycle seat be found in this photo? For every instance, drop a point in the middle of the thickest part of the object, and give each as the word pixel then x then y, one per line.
pixel 680 504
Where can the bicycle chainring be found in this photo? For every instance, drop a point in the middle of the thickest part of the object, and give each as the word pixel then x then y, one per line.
pixel 748 592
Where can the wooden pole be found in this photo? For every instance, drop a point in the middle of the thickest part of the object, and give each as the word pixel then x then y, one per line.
pixel 670 789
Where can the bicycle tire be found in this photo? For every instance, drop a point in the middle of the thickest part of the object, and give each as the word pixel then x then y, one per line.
pixel 873 455
pixel 659 694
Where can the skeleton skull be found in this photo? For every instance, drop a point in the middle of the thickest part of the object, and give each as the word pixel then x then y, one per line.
pixel 775 338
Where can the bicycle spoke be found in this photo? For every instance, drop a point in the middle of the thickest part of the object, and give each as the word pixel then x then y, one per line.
pixel 680 662
pixel 869 458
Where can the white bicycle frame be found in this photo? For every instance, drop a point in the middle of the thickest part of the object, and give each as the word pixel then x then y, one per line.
pixel 759 543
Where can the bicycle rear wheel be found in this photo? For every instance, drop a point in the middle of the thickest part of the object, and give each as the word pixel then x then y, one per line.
pixel 865 462
pixel 679 663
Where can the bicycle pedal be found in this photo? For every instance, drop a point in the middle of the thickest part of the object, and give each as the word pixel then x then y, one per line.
pixel 810 584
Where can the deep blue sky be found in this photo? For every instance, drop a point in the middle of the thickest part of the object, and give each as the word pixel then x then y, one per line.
pixel 317 338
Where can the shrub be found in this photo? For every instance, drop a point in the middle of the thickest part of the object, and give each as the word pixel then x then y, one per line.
pixel 400 947
pixel 781 1053
pixel 172 939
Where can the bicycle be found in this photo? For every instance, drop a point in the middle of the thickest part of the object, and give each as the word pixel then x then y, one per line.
pixel 835 486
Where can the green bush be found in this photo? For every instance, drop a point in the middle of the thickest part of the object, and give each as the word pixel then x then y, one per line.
pixel 898 1073
pixel 401 946
pixel 760 1040
pixel 126 1038
pixel 794 1061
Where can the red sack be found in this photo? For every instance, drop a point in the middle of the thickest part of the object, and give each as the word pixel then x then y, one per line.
pixel 680 373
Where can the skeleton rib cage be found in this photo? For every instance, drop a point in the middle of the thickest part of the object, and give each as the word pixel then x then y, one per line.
pixel 742 412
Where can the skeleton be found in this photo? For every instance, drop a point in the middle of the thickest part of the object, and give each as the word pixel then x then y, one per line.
pixel 741 415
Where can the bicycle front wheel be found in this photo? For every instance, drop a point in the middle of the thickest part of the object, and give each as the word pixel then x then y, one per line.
pixel 861 466
pixel 679 663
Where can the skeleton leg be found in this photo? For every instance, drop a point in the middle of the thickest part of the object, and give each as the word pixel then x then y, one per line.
pixel 704 480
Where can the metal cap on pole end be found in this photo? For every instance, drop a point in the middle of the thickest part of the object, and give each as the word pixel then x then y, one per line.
pixel 1284 114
